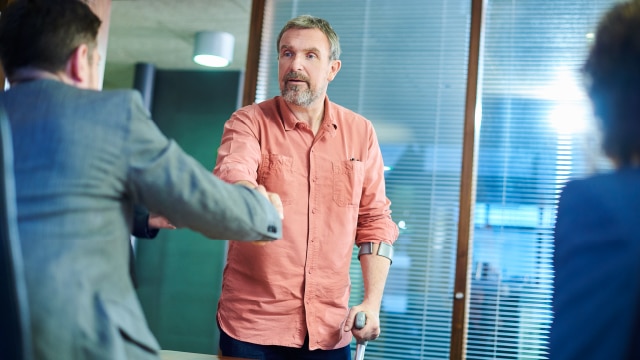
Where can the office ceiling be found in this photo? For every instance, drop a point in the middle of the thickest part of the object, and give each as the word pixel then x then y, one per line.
pixel 161 32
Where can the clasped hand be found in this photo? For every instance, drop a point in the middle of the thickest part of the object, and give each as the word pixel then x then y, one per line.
pixel 371 329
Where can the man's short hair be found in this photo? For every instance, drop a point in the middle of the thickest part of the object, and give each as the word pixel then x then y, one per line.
pixel 44 33
pixel 312 22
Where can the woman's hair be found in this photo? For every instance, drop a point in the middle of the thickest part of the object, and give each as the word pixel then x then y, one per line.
pixel 613 77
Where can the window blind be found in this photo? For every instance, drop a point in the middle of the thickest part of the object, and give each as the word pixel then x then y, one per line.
pixel 536 125
pixel 404 68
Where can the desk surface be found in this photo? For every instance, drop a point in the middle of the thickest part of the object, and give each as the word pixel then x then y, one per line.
pixel 179 355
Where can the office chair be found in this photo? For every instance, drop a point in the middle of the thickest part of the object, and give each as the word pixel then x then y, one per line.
pixel 15 334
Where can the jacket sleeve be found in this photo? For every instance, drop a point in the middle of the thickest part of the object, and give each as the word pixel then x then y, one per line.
pixel 169 182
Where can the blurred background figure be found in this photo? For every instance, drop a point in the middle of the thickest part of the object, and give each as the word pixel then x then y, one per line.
pixel 597 238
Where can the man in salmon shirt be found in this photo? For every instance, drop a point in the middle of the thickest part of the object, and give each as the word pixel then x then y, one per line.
pixel 289 299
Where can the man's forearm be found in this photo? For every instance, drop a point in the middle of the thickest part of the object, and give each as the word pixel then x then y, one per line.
pixel 375 269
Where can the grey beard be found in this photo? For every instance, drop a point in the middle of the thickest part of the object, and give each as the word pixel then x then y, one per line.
pixel 299 97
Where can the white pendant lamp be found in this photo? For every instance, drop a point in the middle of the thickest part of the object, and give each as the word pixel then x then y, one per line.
pixel 213 48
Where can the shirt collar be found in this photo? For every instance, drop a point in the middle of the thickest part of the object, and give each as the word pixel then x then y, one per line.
pixel 289 121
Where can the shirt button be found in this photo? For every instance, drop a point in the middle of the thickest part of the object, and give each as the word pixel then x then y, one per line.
pixel 314 211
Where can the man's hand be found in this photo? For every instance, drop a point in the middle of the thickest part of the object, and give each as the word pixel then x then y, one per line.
pixel 159 222
pixel 273 197
pixel 275 201
pixel 371 329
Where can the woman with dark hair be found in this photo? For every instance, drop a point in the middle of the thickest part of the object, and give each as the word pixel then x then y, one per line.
pixel 597 242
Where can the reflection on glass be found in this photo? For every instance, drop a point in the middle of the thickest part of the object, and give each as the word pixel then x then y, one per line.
pixel 536 118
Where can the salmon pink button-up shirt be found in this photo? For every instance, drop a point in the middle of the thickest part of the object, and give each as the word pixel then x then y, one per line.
pixel 332 188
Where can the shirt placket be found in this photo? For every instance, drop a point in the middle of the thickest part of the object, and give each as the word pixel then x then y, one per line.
pixel 313 241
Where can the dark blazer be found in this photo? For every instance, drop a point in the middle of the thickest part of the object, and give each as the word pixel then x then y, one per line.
pixel 596 299
pixel 82 159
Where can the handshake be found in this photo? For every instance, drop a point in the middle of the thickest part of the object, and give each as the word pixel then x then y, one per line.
pixel 157 221
pixel 272 197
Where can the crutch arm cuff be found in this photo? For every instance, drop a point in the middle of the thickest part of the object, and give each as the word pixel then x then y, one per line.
pixel 384 250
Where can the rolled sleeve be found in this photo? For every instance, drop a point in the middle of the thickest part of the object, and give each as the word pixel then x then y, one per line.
pixel 239 151
pixel 374 219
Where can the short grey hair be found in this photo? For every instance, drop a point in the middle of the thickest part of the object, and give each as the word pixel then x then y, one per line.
pixel 312 22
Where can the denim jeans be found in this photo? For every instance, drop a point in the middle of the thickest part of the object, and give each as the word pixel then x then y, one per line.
pixel 232 347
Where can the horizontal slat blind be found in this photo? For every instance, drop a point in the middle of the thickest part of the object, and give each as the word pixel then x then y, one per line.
pixel 404 68
pixel 536 121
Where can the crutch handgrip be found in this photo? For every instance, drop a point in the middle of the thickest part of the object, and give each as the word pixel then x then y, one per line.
pixel 361 320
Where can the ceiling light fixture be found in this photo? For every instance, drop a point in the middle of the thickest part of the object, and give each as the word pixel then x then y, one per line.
pixel 213 48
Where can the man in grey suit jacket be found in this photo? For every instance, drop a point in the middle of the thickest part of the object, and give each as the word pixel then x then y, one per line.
pixel 82 159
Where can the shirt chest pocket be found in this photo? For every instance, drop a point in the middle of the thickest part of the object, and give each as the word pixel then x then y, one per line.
pixel 348 178
pixel 276 174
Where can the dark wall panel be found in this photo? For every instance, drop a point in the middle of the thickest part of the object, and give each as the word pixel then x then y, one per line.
pixel 180 271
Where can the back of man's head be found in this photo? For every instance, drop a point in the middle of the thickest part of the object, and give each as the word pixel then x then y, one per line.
pixel 44 33
pixel 613 71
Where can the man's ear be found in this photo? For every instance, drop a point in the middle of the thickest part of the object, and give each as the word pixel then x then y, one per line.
pixel 335 67
pixel 78 65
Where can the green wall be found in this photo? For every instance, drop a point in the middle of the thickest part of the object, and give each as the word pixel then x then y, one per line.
pixel 180 271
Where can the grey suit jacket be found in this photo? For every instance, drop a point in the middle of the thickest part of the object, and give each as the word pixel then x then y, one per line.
pixel 82 158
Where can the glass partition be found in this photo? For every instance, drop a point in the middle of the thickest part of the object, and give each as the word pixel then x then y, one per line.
pixel 535 129
pixel 404 68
